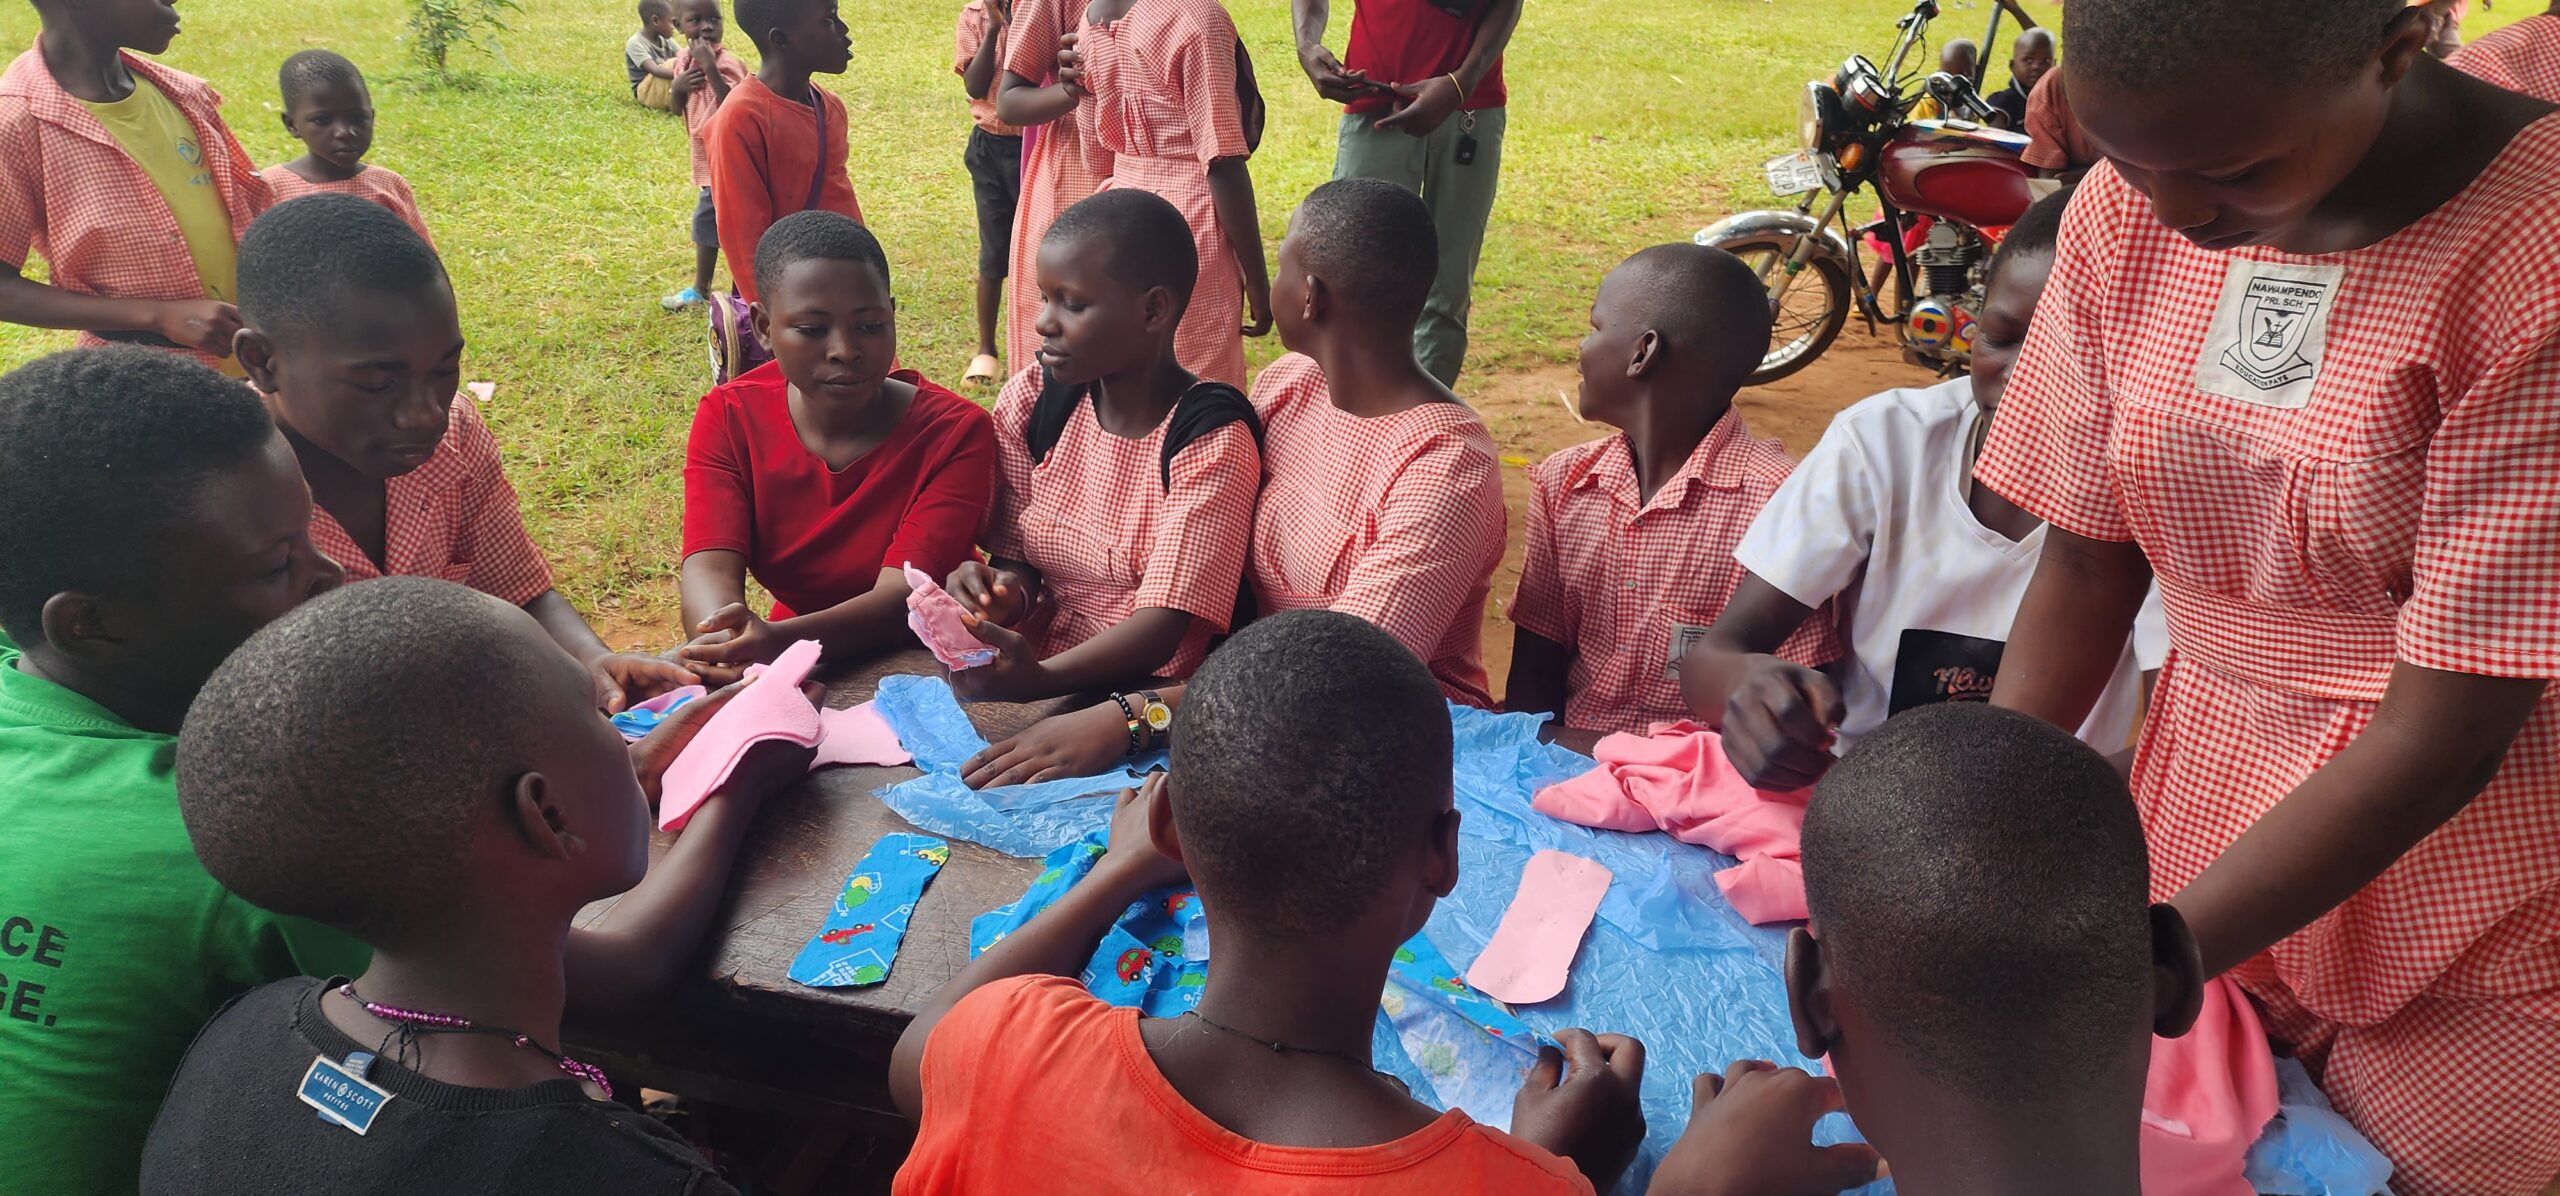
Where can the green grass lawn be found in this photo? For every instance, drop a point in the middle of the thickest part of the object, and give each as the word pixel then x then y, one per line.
pixel 560 205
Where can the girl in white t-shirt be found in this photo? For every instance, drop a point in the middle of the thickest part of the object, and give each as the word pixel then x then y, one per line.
pixel 1926 566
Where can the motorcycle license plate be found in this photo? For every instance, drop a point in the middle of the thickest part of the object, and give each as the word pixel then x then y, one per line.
pixel 1794 174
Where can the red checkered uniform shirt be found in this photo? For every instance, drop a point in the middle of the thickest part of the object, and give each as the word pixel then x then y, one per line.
pixel 1396 519
pixel 2335 464
pixel 2522 57
pixel 454 517
pixel 1627 586
pixel 70 194
pixel 1096 519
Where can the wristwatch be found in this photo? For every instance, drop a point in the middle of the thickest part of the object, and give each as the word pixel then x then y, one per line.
pixel 1157 716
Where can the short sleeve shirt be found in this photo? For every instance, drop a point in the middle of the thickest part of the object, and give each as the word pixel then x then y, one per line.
pixel 700 104
pixel 2056 142
pixel 1397 519
pixel 1009 1056
pixel 2522 57
pixel 817 537
pixel 1409 41
pixel 453 518
pixel 115 944
pixel 642 50
pixel 2334 464
pixel 1628 585
pixel 967 36
pixel 1109 538
pixel 373 183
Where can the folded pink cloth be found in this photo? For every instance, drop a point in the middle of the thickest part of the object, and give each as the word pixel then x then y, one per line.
pixel 770 707
pixel 942 623
pixel 1678 780
pixel 2209 1094
pixel 857 735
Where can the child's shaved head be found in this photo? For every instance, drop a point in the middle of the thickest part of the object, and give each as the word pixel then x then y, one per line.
pixel 651 10
pixel 312 70
pixel 309 261
pixel 1149 242
pixel 2149 46
pixel 1707 305
pixel 1372 243
pixel 815 235
pixel 1981 896
pixel 339 765
pixel 102 454
pixel 1311 760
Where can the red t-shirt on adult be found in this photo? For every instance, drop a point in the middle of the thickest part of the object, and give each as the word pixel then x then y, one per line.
pixel 816 537
pixel 1409 41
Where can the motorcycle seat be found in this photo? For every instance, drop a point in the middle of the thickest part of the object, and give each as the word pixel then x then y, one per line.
pixel 1965 130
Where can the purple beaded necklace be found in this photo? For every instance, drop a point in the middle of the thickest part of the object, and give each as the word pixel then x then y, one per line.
pixel 412 1021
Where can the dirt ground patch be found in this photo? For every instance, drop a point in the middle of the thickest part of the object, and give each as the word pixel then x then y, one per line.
pixel 1526 413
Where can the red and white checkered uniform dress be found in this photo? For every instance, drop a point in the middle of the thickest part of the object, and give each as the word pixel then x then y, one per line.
pixel 1164 105
pixel 454 518
pixel 1059 168
pixel 1397 519
pixel 1627 585
pixel 373 184
pixel 2407 510
pixel 2522 57
pixel 1108 538
pixel 70 194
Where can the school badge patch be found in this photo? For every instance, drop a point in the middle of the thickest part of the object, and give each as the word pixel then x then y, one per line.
pixel 2269 332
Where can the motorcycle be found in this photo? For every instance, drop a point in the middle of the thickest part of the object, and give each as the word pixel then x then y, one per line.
pixel 1946 189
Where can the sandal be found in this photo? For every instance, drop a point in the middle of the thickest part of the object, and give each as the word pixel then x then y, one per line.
pixel 982 368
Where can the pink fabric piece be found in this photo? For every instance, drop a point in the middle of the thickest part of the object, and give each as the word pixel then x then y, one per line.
pixel 942 623
pixel 1677 779
pixel 2209 1095
pixel 857 735
pixel 1533 948
pixel 482 391
pixel 770 707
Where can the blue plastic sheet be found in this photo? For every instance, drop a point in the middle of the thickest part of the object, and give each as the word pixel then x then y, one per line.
pixel 1667 961
pixel 1021 820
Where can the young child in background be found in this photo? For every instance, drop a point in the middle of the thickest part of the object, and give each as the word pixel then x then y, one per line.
pixel 994 159
pixel 121 174
pixel 329 110
pixel 1310 803
pixel 1381 491
pixel 1989 1014
pixel 1060 164
pixel 828 470
pixel 156 519
pixel 2030 60
pixel 705 74
pixel 1124 485
pixel 1630 540
pixel 417 765
pixel 1160 78
pixel 353 336
pixel 1926 567
pixel 650 55
pixel 779 139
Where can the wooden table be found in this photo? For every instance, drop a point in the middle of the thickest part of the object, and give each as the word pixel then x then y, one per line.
pixel 740 1032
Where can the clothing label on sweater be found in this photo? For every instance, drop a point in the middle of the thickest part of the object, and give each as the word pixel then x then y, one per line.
pixel 2269 332
pixel 341 1096
pixel 1941 666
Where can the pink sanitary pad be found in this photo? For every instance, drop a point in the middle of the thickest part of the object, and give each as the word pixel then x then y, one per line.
pixel 1533 948
pixel 1678 780
pixel 771 707
pixel 857 735
pixel 2208 1096
pixel 942 623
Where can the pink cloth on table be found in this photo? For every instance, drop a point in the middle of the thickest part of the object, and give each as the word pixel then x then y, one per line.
pixel 1677 779
pixel 857 735
pixel 770 707
pixel 942 623
pixel 1533 948
pixel 2210 1093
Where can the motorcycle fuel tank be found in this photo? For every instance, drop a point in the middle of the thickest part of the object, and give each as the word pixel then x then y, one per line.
pixel 1957 171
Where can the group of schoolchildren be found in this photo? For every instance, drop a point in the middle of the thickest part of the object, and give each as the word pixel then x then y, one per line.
pixel 376 808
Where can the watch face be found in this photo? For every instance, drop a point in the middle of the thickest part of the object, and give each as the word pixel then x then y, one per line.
pixel 1159 716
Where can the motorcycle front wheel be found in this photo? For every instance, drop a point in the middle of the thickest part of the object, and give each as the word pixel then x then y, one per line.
pixel 1808 319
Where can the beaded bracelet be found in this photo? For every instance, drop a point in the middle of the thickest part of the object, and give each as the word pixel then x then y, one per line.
pixel 1137 726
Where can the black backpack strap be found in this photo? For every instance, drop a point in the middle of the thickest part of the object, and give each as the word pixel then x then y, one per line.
pixel 1049 415
pixel 1205 408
